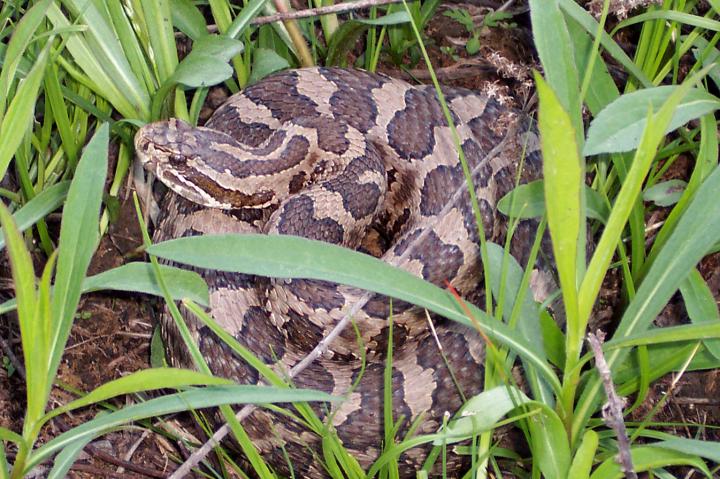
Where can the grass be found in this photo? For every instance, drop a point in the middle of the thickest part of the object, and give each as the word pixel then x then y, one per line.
pixel 73 69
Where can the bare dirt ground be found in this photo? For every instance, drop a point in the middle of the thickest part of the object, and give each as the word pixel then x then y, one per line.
pixel 111 336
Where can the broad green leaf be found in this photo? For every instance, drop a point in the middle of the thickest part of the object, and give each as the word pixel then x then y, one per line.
pixel 528 201
pixel 294 257
pixel 218 46
pixel 37 208
pixel 665 193
pixel 188 19
pixel 584 456
pixel 140 278
pixel 555 49
pixel 707 449
pixel 619 126
pixel 553 339
pixel 562 170
pixel 79 236
pixel 266 62
pixel 19 115
pixel 701 306
pixel 550 445
pixel 197 71
pixel 648 458
pixel 172 403
pixel 601 89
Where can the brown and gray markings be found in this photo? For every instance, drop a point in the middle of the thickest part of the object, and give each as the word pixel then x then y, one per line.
pixel 350 158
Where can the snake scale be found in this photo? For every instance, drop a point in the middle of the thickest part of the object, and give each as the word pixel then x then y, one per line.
pixel 364 161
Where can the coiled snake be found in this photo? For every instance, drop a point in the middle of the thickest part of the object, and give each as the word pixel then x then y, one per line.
pixel 364 161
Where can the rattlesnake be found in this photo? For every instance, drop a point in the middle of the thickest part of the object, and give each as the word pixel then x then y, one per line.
pixel 368 162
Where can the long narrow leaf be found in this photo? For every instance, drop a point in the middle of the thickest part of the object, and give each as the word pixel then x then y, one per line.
pixel 294 257
pixel 20 112
pixel 79 236
pixel 36 209
pixel 192 399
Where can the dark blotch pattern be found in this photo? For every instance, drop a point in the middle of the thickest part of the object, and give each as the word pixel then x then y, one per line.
pixel 353 99
pixel 411 131
pixel 296 218
pixel 331 134
pixel 319 294
pixel 294 153
pixel 267 343
pixel 361 200
pixel 439 185
pixel 279 94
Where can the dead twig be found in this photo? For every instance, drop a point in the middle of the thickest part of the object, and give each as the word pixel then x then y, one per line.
pixel 314 12
pixel 612 411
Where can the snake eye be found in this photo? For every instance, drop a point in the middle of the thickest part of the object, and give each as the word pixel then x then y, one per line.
pixel 176 159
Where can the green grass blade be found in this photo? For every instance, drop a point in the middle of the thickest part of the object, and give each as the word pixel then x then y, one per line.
pixel 79 236
pixel 707 449
pixel 211 396
pixel 140 278
pixel 101 38
pixel 130 44
pixel 162 38
pixel 584 456
pixel 695 234
pixel 36 209
pixel 145 380
pixel 67 457
pixel 701 306
pixel 649 144
pixel 23 276
pixel 102 82
pixel 22 36
pixel 562 170
pixel 294 257
pixel 647 458
pixel 555 49
pixel 619 126
pixel 670 15
pixel 19 115
pixel 590 25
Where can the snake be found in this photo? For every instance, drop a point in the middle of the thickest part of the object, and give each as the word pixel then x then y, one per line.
pixel 367 162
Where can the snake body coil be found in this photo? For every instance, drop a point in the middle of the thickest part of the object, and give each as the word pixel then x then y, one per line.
pixel 363 161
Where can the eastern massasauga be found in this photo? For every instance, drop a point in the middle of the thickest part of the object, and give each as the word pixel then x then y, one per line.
pixel 364 161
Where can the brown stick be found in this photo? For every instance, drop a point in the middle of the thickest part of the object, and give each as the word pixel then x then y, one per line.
pixel 314 12
pixel 613 411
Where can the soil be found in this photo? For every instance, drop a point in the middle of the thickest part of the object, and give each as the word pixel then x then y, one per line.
pixel 111 337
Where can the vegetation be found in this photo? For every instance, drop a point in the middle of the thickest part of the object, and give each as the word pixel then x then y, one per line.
pixel 74 71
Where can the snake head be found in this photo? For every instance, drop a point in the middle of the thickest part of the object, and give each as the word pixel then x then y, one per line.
pixel 188 161
pixel 163 142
